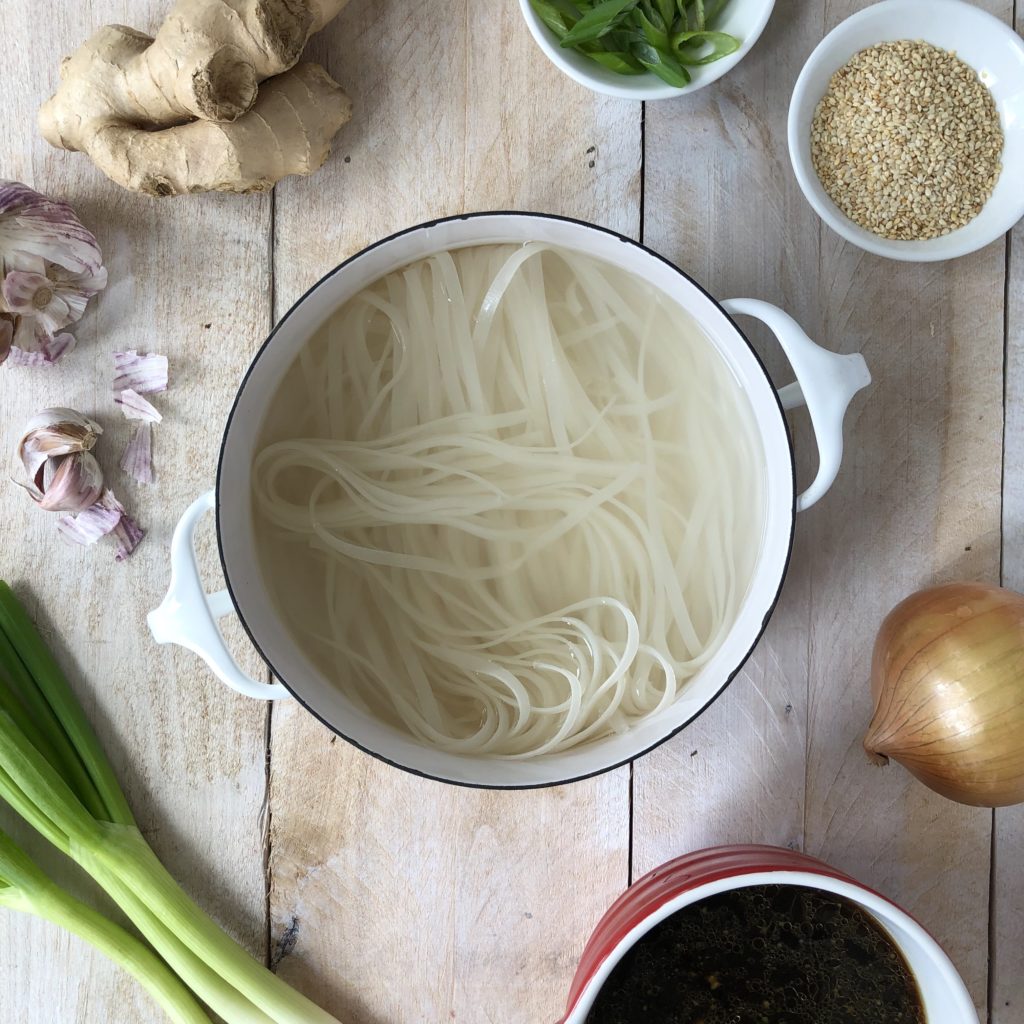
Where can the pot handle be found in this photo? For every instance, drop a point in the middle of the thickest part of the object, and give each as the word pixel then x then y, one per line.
pixel 825 382
pixel 188 615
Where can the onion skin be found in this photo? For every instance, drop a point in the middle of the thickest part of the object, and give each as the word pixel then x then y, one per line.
pixel 947 677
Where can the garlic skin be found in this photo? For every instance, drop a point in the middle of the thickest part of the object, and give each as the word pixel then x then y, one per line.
pixel 948 685
pixel 137 459
pixel 40 350
pixel 54 451
pixel 6 338
pixel 50 267
pixel 106 517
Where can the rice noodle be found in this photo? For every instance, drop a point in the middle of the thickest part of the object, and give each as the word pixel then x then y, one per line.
pixel 511 499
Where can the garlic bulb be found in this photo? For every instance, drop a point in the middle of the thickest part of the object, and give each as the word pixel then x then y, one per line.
pixel 948 684
pixel 61 474
pixel 50 267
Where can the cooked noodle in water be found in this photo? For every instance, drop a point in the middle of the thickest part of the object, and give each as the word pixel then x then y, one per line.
pixel 510 498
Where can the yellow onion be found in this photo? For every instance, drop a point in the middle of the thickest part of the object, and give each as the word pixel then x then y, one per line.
pixel 947 679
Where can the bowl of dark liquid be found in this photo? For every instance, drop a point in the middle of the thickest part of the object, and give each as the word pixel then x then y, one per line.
pixel 762 935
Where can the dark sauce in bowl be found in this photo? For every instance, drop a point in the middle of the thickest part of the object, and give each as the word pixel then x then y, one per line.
pixel 764 954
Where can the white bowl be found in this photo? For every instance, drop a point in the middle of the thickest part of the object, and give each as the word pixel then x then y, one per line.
pixel 993 49
pixel 744 19
pixel 696 876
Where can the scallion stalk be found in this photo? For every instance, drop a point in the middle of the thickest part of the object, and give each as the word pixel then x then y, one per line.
pixel 127 857
pixel 45 689
pixel 54 773
pixel 25 888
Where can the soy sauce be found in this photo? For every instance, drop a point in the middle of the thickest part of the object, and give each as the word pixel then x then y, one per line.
pixel 766 954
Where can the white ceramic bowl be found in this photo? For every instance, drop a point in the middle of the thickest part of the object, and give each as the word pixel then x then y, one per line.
pixel 744 19
pixel 697 876
pixel 993 49
pixel 827 383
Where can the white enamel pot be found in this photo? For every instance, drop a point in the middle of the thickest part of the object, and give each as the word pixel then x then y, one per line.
pixel 825 383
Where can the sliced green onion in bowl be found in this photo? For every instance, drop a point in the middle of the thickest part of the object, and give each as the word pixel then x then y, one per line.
pixel 687 46
pixel 634 37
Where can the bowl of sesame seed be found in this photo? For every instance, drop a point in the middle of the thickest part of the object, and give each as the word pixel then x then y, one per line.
pixel 906 129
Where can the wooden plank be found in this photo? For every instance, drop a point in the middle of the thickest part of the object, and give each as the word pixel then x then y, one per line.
pixel 918 502
pixel 1007 955
pixel 413 901
pixel 719 202
pixel 188 277
pixel 920 484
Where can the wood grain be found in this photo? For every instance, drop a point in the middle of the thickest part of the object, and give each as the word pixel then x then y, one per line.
pixel 720 202
pixel 188 278
pixel 411 901
pixel 1007 982
pixel 396 899
pixel 918 502
pixel 918 499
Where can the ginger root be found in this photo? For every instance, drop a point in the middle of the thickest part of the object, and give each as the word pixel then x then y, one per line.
pixel 185 111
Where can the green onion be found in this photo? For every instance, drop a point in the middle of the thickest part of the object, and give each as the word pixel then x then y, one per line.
pixel 630 37
pixel 619 62
pixel 662 64
pixel 25 888
pixel 599 21
pixel 54 773
pixel 687 46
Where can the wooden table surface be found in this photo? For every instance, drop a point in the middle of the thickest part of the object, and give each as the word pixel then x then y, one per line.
pixel 393 900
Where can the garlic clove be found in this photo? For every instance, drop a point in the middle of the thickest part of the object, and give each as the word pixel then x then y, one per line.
pixel 73 291
pixel 23 261
pixel 27 333
pixel 71 483
pixel 55 432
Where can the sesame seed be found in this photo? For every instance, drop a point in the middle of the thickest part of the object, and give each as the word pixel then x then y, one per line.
pixel 907 141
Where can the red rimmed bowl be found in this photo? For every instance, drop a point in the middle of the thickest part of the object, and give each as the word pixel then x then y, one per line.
pixel 696 876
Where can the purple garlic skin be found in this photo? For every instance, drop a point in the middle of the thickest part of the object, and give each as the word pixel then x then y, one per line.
pixel 50 267
pixel 106 516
